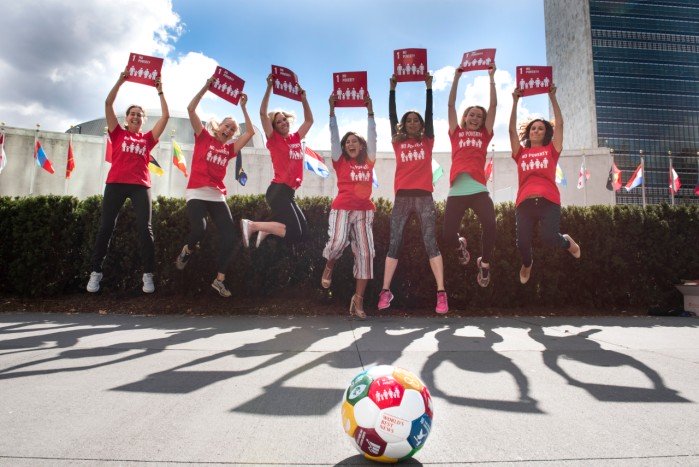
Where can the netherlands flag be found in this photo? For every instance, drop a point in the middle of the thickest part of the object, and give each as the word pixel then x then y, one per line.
pixel 314 162
pixel 41 159
pixel 636 179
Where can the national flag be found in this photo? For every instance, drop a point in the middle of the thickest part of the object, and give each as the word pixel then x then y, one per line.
pixel 636 179
pixel 178 159
pixel 489 170
pixel 437 171
pixel 675 183
pixel 240 174
pixel 583 176
pixel 41 159
pixel 154 167
pixel 70 163
pixel 314 162
pixel 107 149
pixel 614 180
pixel 374 178
pixel 560 176
pixel 3 156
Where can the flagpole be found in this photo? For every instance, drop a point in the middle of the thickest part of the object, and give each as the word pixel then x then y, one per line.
pixel 172 162
pixel 70 143
pixel 672 180
pixel 643 180
pixel 611 168
pixel 584 179
pixel 31 181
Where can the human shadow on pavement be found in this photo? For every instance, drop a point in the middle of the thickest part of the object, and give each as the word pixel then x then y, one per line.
pixel 282 398
pixel 580 348
pixel 482 359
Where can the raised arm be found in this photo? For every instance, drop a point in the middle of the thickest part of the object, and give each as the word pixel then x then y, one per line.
pixel 264 118
pixel 429 126
pixel 307 115
pixel 249 129
pixel 371 130
pixel 451 105
pixel 192 108
pixel 392 115
pixel 490 119
pixel 159 126
pixel 558 117
pixel 335 149
pixel 514 137
pixel 112 120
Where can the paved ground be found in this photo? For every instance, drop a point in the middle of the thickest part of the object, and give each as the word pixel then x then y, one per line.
pixel 88 389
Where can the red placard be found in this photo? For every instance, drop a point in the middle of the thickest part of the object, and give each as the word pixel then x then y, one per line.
pixel 285 83
pixel 227 85
pixel 350 88
pixel 480 59
pixel 143 69
pixel 410 64
pixel 534 79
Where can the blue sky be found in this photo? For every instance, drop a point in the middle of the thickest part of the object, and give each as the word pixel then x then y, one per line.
pixel 312 37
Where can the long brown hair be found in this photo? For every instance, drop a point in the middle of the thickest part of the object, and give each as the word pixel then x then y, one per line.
pixel 402 133
pixel 363 155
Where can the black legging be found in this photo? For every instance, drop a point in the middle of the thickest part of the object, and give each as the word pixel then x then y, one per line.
pixel 115 195
pixel 280 198
pixel 484 209
pixel 221 215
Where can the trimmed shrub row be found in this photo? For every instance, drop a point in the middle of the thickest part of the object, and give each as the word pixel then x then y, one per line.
pixel 631 256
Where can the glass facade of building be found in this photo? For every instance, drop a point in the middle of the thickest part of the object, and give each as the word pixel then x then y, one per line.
pixel 646 73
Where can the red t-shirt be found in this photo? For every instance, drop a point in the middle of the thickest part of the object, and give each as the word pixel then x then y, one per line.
pixel 130 156
pixel 413 164
pixel 209 162
pixel 287 159
pixel 353 185
pixel 468 151
pixel 536 170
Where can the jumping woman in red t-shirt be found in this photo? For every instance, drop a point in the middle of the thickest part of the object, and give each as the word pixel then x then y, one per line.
pixel 413 140
pixel 128 178
pixel 288 221
pixel 536 150
pixel 467 184
pixel 206 192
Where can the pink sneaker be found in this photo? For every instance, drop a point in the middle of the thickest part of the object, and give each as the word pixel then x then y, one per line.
pixel 442 303
pixel 385 298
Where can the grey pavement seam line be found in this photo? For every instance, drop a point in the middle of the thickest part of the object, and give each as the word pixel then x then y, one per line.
pixel 514 461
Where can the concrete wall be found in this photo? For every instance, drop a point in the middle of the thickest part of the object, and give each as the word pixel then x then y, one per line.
pixel 569 52
pixel 91 171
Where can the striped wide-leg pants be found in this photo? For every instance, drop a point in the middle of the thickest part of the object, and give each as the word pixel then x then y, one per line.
pixel 355 228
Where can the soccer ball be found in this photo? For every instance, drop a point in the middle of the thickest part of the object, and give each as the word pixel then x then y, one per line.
pixel 387 411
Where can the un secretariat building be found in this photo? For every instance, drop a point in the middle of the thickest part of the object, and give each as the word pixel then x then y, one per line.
pixel 628 79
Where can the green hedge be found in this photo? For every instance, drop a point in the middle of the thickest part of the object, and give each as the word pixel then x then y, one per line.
pixel 631 256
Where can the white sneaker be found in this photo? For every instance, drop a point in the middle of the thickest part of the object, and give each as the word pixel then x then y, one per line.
pixel 260 236
pixel 220 287
pixel 148 285
pixel 245 230
pixel 94 283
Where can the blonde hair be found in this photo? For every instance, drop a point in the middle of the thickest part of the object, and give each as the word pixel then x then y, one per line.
pixel 212 126
pixel 273 115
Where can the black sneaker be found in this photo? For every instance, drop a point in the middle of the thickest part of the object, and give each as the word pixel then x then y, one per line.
pixel 181 260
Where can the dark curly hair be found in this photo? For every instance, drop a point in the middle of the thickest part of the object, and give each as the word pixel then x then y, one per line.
pixel 402 133
pixel 363 155
pixel 524 132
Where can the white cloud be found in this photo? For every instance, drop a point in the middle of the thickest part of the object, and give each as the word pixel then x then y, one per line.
pixel 443 78
pixel 67 55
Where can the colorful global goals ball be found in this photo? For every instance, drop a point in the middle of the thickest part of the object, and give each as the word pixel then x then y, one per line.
pixel 388 413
